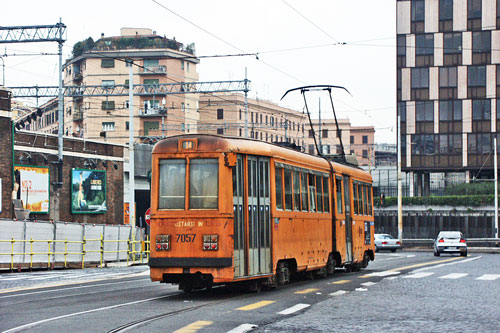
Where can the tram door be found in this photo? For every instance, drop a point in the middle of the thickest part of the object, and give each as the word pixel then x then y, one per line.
pixel 348 219
pixel 239 219
pixel 259 216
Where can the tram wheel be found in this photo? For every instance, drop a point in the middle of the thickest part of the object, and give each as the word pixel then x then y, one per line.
pixel 283 273
pixel 255 285
pixel 330 265
pixel 366 260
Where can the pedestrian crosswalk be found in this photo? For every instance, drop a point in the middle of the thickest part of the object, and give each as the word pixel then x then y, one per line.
pixel 452 276
pixel 60 276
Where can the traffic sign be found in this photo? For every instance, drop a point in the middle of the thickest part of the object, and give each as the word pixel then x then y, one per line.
pixel 148 216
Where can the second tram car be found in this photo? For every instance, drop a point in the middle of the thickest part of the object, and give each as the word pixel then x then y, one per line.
pixel 232 210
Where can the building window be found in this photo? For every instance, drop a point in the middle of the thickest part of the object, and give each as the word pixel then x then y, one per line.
pixel 417 16
pixel 311 133
pixel 183 108
pixel 420 78
pixel 424 50
pixel 241 133
pixel 474 14
pixel 423 144
pixel 108 83
pixel 445 15
pixel 365 153
pixel 108 126
pixel 151 81
pixel 127 126
pixel 402 111
pixel 351 139
pixel 450 144
pixel 481 109
pixel 476 79
pixel 220 113
pixel 182 64
pixel 448 82
pixel 150 63
pixel 401 51
pixel 108 105
pixel 481 47
pixel 450 110
pixel 108 63
pixel 365 139
pixel 424 111
pixel 478 143
pixel 220 131
pixel 325 133
pixel 452 43
pixel 240 114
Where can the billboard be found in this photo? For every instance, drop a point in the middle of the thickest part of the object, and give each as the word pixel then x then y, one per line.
pixel 34 187
pixel 88 191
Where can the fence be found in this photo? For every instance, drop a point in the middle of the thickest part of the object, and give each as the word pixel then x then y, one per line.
pixel 426 225
pixel 29 244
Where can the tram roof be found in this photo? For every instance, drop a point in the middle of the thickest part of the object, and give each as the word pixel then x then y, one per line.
pixel 216 143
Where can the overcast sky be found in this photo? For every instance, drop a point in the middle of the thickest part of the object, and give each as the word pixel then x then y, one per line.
pixel 339 42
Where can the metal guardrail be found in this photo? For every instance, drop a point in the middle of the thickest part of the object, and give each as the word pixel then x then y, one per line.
pixel 132 254
pixel 472 242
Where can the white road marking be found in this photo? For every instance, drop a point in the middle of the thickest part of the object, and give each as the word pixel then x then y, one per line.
pixel 453 276
pixel 410 256
pixel 489 277
pixel 391 278
pixel 338 293
pixel 243 328
pixel 361 289
pixel 450 263
pixel 383 273
pixel 418 275
pixel 294 309
pixel 29 325
pixel 368 284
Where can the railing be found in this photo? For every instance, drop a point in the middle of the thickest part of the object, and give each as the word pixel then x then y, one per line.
pixel 154 70
pixel 133 256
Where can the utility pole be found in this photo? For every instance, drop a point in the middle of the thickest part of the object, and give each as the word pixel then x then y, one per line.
pixel 246 105
pixel 131 169
pixel 400 189
pixel 496 186
pixel 60 110
pixel 319 129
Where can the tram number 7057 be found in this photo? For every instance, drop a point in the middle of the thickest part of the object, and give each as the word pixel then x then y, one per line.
pixel 185 238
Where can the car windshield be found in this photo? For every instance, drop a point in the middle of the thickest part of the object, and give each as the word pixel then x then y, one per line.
pixel 383 236
pixel 450 234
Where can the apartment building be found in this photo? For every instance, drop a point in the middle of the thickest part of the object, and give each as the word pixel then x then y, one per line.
pixel 156 60
pixel 448 84
pixel 224 114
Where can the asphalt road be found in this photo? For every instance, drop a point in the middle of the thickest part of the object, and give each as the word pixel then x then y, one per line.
pixel 398 292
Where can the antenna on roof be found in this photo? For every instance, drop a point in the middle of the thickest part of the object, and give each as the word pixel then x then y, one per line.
pixel 328 88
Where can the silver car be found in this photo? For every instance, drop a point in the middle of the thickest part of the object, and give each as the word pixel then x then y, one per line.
pixel 386 242
pixel 450 242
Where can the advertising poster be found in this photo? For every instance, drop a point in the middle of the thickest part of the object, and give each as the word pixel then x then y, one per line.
pixel 88 191
pixel 34 187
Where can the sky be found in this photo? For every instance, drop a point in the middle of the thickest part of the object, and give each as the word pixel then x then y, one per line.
pixel 349 43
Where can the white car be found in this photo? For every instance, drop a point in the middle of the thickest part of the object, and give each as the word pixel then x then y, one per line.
pixel 450 242
pixel 386 242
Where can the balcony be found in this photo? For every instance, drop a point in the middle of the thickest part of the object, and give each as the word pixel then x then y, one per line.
pixel 153 70
pixel 153 112
pixel 77 75
pixel 78 116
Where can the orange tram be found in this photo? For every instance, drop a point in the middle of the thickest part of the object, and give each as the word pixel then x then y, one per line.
pixel 240 211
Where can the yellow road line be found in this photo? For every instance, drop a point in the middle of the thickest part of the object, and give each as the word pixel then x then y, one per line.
pixel 424 264
pixel 194 327
pixel 255 305
pixel 341 282
pixel 307 291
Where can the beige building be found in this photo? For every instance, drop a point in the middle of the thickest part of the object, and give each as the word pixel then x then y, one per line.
pixel 224 114
pixel 362 144
pixel 156 60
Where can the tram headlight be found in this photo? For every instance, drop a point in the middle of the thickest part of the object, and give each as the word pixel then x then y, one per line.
pixel 210 242
pixel 162 242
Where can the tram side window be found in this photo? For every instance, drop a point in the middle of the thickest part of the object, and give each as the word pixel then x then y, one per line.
pixel 319 193
pixel 203 184
pixel 360 198
pixel 279 188
pixel 312 192
pixel 370 206
pixel 296 191
pixel 355 197
pixel 303 191
pixel 326 195
pixel 339 194
pixel 172 184
pixel 288 189
pixel 365 196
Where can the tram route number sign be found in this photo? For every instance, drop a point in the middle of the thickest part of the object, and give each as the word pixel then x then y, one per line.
pixel 147 216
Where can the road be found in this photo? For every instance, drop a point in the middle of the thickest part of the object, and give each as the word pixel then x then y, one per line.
pixel 398 292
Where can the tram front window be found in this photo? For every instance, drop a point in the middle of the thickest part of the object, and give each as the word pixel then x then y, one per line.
pixel 203 184
pixel 172 184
